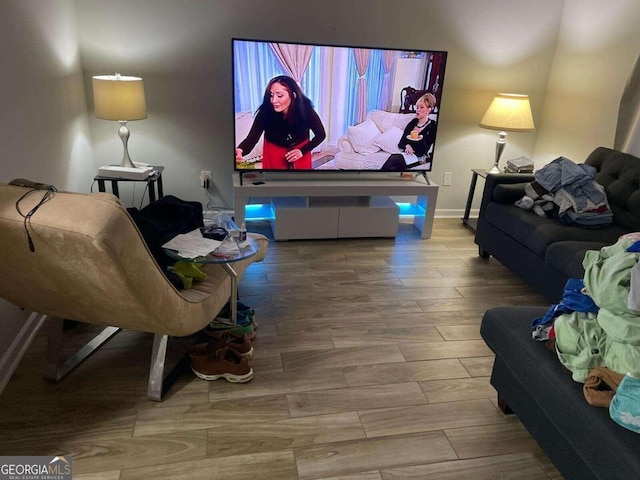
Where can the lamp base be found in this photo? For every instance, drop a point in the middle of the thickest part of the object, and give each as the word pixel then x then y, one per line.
pixel 500 143
pixel 123 133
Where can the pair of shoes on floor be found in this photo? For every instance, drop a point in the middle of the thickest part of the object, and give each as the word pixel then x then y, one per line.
pixel 223 325
pixel 226 356
pixel 241 343
pixel 243 326
pixel 249 312
pixel 246 310
pixel 242 309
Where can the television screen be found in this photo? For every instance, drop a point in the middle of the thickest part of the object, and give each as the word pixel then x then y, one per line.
pixel 302 107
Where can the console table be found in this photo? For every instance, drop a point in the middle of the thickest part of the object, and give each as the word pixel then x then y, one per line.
pixel 476 172
pixel 472 222
pixel 331 207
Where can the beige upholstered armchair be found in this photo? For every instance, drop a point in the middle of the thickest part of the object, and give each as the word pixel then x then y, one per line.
pixel 90 264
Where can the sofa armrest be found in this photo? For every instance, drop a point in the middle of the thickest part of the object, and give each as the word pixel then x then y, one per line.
pixel 344 145
pixel 492 181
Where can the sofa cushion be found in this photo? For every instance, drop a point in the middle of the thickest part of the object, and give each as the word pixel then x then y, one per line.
pixel 537 233
pixel 388 140
pixel 385 120
pixel 362 136
pixel 567 256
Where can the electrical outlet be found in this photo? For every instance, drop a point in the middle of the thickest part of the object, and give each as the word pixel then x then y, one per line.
pixel 446 178
pixel 205 178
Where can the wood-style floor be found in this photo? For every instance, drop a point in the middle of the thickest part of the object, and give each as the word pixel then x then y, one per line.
pixel 368 366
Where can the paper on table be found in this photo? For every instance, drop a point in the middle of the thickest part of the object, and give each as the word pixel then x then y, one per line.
pixel 192 244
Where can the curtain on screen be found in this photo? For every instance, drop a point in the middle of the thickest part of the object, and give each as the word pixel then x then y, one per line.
pixel 388 57
pixel 256 63
pixel 293 58
pixel 361 57
pixel 374 83
pixel 329 80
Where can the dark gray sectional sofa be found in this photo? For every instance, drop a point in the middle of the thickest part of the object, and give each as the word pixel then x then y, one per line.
pixel 542 251
pixel 581 440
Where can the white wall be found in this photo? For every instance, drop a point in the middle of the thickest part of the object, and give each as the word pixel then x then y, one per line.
pixel 597 47
pixel 44 134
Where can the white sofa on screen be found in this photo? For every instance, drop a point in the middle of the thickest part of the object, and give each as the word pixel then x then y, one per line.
pixel 367 146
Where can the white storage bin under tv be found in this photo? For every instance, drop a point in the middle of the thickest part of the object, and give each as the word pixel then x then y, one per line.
pixel 334 217
pixel 336 206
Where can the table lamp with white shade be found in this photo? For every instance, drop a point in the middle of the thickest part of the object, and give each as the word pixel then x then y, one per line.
pixel 508 112
pixel 120 98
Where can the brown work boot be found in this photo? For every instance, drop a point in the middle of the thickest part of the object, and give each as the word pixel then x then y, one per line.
pixel 222 363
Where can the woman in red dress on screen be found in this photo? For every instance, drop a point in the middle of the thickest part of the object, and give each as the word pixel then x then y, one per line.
pixel 285 117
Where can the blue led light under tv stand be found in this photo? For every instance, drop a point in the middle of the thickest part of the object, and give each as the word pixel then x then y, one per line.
pixel 335 206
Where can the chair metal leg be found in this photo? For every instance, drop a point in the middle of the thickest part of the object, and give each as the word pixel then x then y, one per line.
pixel 233 300
pixel 57 368
pixel 159 384
pixel 10 359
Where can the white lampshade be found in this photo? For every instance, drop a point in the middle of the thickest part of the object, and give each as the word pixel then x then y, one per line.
pixel 510 112
pixel 120 98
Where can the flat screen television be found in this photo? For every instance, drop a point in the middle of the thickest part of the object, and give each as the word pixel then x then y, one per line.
pixel 307 108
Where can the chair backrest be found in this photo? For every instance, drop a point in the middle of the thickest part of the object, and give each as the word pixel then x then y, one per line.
pixel 91 264
pixel 408 98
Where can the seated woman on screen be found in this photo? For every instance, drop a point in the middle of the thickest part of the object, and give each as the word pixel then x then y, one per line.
pixel 285 116
pixel 417 139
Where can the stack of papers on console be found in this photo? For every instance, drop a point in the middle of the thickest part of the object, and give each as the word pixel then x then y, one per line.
pixel 192 244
